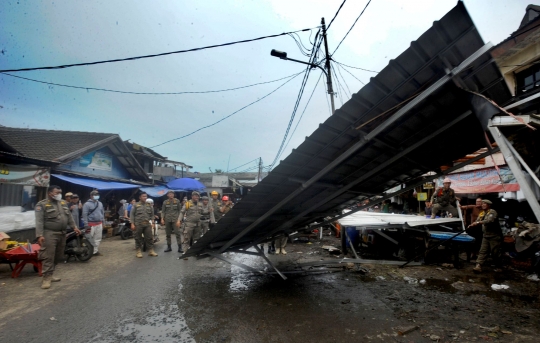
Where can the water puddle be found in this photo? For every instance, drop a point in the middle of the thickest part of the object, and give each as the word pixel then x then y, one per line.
pixel 160 324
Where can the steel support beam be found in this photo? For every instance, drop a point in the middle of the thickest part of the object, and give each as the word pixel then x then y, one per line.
pixel 516 170
pixel 269 262
pixel 366 139
pixel 376 170
pixel 233 262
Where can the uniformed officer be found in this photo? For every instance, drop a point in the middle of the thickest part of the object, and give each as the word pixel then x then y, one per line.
pixel 492 240
pixel 443 199
pixel 52 218
pixel 207 215
pixel 141 217
pixel 216 205
pixel 226 206
pixel 192 211
pixel 169 215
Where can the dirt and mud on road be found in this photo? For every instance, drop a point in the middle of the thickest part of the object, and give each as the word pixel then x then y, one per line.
pixel 165 299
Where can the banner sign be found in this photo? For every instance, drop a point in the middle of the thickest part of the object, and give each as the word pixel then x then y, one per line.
pixel 482 181
pixel 25 174
pixel 96 160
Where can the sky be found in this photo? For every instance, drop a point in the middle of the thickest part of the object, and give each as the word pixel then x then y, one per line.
pixel 49 33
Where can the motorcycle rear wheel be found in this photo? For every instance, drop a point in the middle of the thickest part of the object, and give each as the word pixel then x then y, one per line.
pixel 126 233
pixel 88 251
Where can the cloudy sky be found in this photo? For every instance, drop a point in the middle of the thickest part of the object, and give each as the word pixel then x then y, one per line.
pixel 49 33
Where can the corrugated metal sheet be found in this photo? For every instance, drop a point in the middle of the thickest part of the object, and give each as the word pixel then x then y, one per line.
pixel 11 195
pixel 376 166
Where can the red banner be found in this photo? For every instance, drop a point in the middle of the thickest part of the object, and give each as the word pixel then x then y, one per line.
pixel 483 181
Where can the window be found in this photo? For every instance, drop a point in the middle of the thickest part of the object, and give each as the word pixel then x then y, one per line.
pixel 528 80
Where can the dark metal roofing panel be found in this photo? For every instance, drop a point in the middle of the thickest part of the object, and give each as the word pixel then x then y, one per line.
pixel 378 164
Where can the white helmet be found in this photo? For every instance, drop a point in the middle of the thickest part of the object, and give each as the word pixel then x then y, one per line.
pixel 149 201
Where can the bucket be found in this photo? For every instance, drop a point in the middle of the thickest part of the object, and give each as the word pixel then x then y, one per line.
pixel 354 236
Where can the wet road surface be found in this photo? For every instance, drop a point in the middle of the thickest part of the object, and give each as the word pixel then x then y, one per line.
pixel 118 298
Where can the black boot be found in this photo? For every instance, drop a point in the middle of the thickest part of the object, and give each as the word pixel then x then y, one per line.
pixel 168 248
pixel 180 249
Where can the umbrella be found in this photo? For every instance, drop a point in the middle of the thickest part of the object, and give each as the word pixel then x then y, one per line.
pixel 185 184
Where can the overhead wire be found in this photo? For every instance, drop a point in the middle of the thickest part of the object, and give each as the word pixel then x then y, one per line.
pixel 302 115
pixel 351 27
pixel 338 64
pixel 230 115
pixel 344 81
pixel 343 64
pixel 298 99
pixel 335 15
pixel 153 55
pixel 340 88
pixel 150 93
pixel 244 164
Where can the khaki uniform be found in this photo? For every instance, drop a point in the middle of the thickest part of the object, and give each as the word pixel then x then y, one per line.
pixel 492 237
pixel 52 218
pixel 141 215
pixel 170 212
pixel 443 200
pixel 207 217
pixel 190 215
pixel 216 204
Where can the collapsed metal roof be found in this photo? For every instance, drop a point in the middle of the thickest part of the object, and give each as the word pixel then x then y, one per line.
pixel 413 117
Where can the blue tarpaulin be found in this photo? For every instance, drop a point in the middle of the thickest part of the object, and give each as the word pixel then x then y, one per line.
pixel 97 184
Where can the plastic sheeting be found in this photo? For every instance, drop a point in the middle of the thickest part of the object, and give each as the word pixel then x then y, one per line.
pixel 12 219
pixel 363 218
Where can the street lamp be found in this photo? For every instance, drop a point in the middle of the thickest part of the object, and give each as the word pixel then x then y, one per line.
pixel 283 55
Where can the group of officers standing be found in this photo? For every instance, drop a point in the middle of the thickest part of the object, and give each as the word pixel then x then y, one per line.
pixel 187 220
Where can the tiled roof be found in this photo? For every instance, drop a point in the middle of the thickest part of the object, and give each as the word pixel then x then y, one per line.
pixel 48 144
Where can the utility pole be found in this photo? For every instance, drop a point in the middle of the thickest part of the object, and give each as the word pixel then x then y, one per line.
pixel 260 170
pixel 329 75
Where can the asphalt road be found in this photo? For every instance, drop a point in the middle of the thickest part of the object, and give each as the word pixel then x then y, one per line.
pixel 118 298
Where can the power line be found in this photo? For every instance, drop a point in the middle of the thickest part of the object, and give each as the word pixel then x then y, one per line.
pixel 149 93
pixel 244 164
pixel 372 71
pixel 154 55
pixel 351 27
pixel 344 81
pixel 335 15
pixel 230 115
pixel 339 65
pixel 299 97
pixel 302 115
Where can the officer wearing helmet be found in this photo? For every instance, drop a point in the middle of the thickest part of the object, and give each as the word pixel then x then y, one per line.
pixel 207 215
pixel 216 205
pixel 443 199
pixel 191 216
pixel 226 205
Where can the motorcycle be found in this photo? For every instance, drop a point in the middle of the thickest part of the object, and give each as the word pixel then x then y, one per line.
pixel 79 246
pixel 124 228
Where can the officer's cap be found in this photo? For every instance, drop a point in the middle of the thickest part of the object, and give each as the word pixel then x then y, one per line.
pixel 170 191
pixel 195 193
pixel 74 196
pixel 68 194
pixel 486 201
pixel 204 198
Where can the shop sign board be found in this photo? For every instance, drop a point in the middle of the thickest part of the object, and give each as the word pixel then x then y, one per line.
pixel 96 160
pixel 483 181
pixel 421 196
pixel 428 185
pixel 24 174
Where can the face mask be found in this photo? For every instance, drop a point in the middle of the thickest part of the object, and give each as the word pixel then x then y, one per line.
pixel 95 197
pixel 57 197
